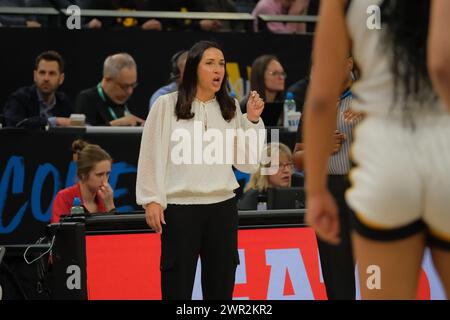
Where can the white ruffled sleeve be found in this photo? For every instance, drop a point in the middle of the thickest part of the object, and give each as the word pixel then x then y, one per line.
pixel 153 155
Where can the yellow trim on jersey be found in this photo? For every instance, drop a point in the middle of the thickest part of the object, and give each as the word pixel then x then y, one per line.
pixel 440 235
pixel 354 137
pixel 351 154
pixel 352 170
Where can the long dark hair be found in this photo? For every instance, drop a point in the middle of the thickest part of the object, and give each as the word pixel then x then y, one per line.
pixel 257 82
pixel 406 25
pixel 50 56
pixel 188 87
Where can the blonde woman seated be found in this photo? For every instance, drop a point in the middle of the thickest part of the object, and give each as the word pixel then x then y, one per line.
pixel 259 183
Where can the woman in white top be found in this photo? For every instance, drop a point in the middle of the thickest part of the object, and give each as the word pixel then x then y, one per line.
pixel 185 178
pixel 401 149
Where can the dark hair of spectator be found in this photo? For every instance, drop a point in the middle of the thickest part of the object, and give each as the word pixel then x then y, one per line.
pixel 50 56
pixel 257 82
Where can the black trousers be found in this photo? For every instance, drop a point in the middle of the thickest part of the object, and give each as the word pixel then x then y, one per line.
pixel 338 267
pixel 208 231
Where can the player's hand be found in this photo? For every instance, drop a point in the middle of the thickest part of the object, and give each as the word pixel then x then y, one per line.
pixel 323 216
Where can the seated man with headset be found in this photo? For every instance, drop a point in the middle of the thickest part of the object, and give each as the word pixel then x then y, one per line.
pixel 177 63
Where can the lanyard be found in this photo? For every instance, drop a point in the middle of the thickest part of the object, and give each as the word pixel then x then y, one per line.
pixel 111 111
pixel 346 94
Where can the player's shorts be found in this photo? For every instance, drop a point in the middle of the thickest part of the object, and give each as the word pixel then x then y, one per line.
pixel 401 182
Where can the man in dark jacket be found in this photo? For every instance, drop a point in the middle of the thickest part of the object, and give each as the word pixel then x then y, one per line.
pixel 40 104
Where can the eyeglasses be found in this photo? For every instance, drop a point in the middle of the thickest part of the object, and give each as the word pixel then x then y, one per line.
pixel 278 74
pixel 287 165
pixel 125 87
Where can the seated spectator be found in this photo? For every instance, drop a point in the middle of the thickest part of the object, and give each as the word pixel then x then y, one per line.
pixel 300 87
pixel 168 5
pixel 198 6
pixel 17 21
pixel 268 78
pixel 106 103
pixel 129 5
pixel 177 63
pixel 281 7
pixel 41 104
pixel 93 169
pixel 218 6
pixel 260 181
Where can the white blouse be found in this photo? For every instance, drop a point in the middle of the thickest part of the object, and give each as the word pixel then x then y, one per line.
pixel 190 161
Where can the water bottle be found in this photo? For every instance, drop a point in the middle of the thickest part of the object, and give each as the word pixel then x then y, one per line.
pixel 77 208
pixel 291 115
pixel 289 102
pixel 288 107
pixel 262 202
